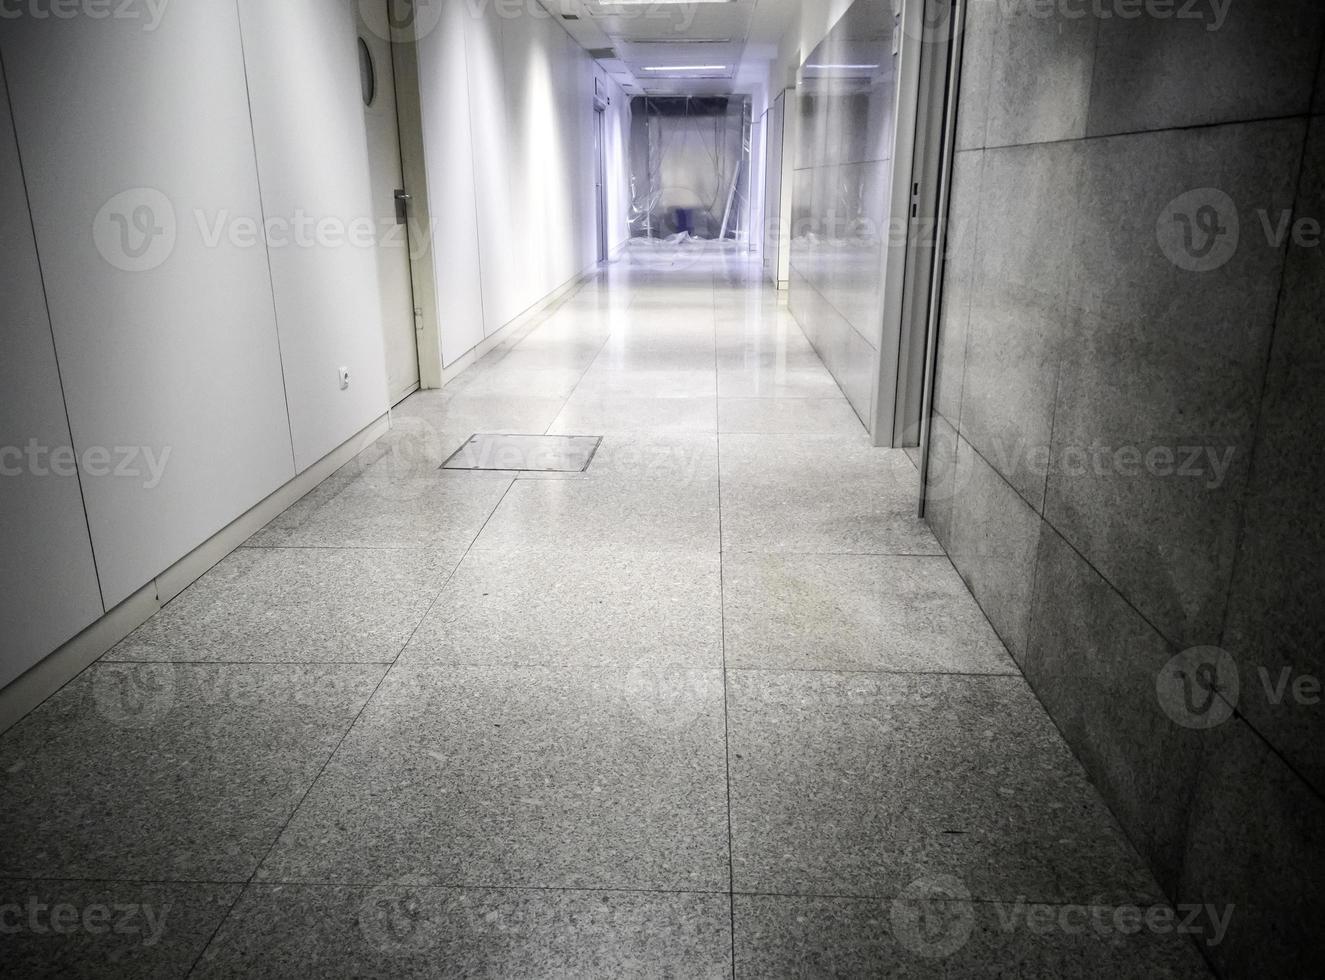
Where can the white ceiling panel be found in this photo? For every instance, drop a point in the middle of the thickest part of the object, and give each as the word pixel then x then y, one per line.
pixel 725 37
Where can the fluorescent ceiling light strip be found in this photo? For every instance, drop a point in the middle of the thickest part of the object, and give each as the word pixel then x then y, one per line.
pixel 686 68
pixel 844 67
pixel 627 3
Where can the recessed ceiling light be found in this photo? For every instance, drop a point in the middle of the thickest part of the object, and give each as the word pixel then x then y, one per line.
pixel 686 68
pixel 688 41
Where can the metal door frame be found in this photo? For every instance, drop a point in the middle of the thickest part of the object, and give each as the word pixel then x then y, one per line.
pixel 414 167
pixel 600 171
pixel 391 74
pixel 947 151
pixel 927 62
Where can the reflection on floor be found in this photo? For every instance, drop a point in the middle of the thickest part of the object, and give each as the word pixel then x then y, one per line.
pixel 717 704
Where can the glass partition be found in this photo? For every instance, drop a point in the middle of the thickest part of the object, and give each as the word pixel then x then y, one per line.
pixel 846 102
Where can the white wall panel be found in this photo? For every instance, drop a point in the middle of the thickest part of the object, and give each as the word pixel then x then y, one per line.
pixel 312 152
pixel 182 357
pixel 518 215
pixel 618 175
pixel 540 81
pixel 444 96
pixel 508 105
pixel 48 583
pixel 497 150
pixel 576 191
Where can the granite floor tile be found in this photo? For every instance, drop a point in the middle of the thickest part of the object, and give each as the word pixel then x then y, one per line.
pixel 629 359
pixel 663 319
pixel 742 338
pixel 680 459
pixel 736 299
pixel 575 332
pixel 665 300
pixel 607 380
pixel 789 416
pixel 295 605
pixel 581 516
pixel 603 412
pixel 523 776
pixel 399 501
pixel 623 609
pixel 859 783
pixel 408 928
pixel 450 414
pixel 525 453
pixel 771 369
pixel 564 357
pixel 496 378
pixel 855 612
pixel 780 936
pixel 676 338
pixel 107 929
pixel 819 494
pixel 169 772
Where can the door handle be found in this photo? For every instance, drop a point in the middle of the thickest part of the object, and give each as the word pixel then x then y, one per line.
pixel 402 205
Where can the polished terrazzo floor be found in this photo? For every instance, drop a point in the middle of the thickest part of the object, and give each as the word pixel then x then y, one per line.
pixel 718 704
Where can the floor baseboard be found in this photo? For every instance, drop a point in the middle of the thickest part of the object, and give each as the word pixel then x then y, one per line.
pixel 69 660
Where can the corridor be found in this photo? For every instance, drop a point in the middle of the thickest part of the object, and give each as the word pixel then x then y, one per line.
pixel 718 705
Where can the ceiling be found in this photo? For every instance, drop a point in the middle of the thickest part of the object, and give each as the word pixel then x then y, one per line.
pixel 731 41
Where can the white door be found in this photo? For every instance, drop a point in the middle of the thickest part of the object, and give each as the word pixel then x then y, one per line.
pixel 600 180
pixel 399 323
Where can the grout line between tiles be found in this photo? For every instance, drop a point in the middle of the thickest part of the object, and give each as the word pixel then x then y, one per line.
pixel 202 951
pixel 442 591
pixel 1300 190
pixel 249 663
pixel 673 668
pixel 875 896
pixel 722 616
pixel 588 367
pixel 276 839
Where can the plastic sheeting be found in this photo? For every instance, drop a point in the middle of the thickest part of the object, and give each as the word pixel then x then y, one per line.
pixel 690 168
